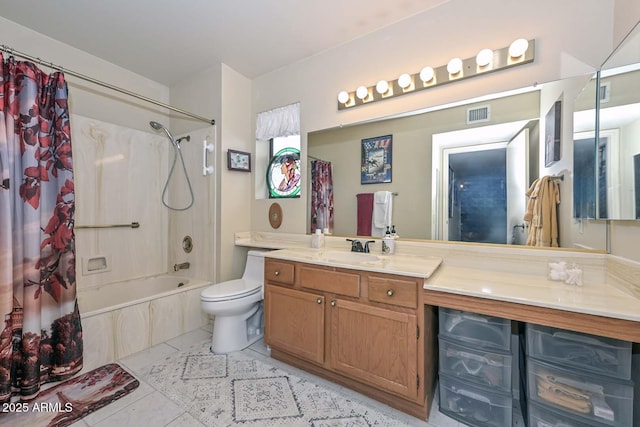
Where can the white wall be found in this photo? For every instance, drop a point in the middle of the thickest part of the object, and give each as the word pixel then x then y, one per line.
pixel 236 188
pixel 88 99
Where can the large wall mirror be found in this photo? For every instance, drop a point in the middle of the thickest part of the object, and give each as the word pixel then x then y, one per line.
pixel 607 139
pixel 443 159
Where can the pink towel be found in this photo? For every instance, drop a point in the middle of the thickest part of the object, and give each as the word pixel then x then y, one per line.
pixel 365 213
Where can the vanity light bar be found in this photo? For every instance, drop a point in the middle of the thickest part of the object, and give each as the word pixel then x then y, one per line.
pixel 520 52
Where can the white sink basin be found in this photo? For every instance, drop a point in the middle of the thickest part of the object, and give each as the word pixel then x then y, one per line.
pixel 349 257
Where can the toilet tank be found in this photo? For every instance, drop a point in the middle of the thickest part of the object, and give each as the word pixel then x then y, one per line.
pixel 254 270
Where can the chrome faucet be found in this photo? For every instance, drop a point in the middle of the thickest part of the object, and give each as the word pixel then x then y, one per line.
pixel 183 266
pixel 357 246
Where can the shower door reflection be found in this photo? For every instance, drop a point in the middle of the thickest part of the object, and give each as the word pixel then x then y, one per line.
pixel 477 198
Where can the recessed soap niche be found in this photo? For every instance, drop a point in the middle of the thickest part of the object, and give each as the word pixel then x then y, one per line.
pixel 96 264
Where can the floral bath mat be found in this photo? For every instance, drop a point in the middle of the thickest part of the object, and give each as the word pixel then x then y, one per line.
pixel 71 400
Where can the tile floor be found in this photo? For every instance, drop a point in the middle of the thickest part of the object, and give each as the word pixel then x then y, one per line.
pixel 146 406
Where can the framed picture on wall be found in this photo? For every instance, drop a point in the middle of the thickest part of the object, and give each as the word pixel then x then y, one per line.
pixel 375 167
pixel 552 134
pixel 238 161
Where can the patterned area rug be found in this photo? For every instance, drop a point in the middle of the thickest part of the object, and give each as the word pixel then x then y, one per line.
pixel 71 400
pixel 234 389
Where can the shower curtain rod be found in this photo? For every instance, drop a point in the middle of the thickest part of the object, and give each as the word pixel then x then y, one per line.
pixel 14 52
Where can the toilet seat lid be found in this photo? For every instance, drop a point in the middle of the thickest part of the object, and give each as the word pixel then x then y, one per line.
pixel 230 290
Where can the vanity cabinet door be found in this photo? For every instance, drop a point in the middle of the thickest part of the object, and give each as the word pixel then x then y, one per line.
pixel 374 345
pixel 294 322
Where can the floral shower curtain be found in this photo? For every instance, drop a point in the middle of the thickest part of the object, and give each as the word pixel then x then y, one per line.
pixel 321 196
pixel 41 338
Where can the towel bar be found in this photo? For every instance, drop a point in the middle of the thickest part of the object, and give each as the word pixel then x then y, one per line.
pixel 132 225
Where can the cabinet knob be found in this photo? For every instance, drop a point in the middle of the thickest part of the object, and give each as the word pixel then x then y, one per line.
pixel 276 273
pixel 333 303
pixel 319 300
pixel 390 292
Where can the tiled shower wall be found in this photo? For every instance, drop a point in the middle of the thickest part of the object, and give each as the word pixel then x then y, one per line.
pixel 119 177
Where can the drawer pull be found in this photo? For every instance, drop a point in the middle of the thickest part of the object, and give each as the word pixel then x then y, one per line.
pixel 319 300
pixel 390 292
pixel 333 303
pixel 276 273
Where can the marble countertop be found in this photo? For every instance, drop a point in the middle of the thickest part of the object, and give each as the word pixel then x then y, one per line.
pixel 501 274
pixel 407 265
pixel 596 299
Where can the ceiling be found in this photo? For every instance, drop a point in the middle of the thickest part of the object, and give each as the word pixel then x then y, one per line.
pixel 170 41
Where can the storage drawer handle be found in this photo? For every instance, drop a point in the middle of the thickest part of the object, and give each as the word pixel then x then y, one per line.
pixel 319 300
pixel 390 292
pixel 276 273
pixel 333 303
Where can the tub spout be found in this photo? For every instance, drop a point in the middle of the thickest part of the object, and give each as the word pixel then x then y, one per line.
pixel 183 266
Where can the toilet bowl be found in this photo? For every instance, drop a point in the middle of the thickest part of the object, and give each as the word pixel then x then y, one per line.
pixel 237 307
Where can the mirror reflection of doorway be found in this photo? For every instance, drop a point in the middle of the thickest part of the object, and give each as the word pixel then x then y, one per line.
pixel 478 196
pixel 490 162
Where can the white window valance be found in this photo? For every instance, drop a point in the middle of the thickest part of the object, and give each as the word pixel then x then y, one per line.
pixel 279 122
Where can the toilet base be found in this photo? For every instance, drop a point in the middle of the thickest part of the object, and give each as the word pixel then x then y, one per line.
pixel 235 333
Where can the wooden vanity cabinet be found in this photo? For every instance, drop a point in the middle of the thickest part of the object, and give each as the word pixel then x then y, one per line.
pixel 294 322
pixel 375 345
pixel 365 330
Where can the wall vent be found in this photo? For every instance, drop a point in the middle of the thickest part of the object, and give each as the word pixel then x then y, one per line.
pixel 605 92
pixel 478 114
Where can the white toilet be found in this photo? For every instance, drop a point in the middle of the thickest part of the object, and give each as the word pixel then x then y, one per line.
pixel 237 307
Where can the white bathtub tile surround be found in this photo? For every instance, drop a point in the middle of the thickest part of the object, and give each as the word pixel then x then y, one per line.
pixel 198 222
pixel 119 174
pixel 120 319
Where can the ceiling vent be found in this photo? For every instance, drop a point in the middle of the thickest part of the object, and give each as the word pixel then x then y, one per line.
pixel 605 92
pixel 478 114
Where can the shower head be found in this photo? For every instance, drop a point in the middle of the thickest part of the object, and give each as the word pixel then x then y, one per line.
pixel 158 126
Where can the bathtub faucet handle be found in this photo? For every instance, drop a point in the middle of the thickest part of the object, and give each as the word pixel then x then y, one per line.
pixel 183 266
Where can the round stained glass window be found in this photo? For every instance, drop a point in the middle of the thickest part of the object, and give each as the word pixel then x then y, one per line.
pixel 283 174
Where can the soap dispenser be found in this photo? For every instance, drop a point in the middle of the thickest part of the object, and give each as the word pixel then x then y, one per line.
pixel 388 243
pixel 317 240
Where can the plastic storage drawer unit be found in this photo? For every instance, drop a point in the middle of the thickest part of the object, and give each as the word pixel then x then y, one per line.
pixel 475 329
pixel 474 405
pixel 606 356
pixel 482 366
pixel 582 394
pixel 542 416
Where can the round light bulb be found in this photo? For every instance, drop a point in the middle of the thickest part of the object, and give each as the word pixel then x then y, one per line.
pixel 382 87
pixel 426 74
pixel 518 48
pixel 343 97
pixel 362 92
pixel 484 57
pixel 404 81
pixel 454 66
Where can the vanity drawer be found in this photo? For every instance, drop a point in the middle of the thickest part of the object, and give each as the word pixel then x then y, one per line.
pixel 331 281
pixel 475 329
pixel 590 397
pixel 279 271
pixel 474 406
pixel 491 369
pixel 403 293
pixel 606 356
pixel 542 416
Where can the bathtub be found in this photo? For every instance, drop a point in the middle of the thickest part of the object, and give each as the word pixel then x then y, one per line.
pixel 123 318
